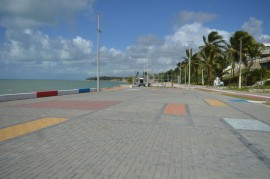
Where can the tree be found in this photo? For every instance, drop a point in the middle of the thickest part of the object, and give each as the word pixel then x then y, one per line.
pixel 249 48
pixel 247 40
pixel 254 51
pixel 212 54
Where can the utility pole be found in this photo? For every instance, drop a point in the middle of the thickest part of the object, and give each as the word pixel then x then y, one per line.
pixel 240 64
pixel 189 62
pixel 202 78
pixel 185 75
pixel 202 74
pixel 189 68
pixel 147 77
pixel 180 75
pixel 98 56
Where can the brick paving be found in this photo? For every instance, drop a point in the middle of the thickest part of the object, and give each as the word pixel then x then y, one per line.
pixel 175 109
pixel 133 137
pixel 214 102
pixel 65 104
pixel 27 127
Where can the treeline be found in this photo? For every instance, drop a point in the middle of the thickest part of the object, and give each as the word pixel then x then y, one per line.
pixel 216 55
pixel 108 78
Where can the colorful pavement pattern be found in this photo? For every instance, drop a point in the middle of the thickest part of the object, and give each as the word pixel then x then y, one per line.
pixel 68 104
pixel 214 102
pixel 175 109
pixel 135 133
pixel 22 129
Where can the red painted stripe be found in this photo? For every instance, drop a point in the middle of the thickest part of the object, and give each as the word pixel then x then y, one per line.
pixel 175 109
pixel 41 94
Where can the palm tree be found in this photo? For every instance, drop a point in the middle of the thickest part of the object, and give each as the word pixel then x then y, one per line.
pixel 247 40
pixel 194 63
pixel 249 46
pixel 214 40
pixel 212 54
pixel 254 51
pixel 185 65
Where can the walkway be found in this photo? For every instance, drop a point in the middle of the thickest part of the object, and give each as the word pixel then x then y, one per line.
pixel 167 133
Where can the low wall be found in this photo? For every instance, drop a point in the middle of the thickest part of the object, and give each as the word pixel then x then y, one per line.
pixel 18 96
pixel 41 94
pixel 67 92
pixel 84 90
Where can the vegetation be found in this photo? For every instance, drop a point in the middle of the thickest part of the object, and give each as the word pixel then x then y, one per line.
pixel 109 78
pixel 216 55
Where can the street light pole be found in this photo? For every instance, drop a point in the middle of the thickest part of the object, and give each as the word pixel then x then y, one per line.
pixel 98 60
pixel 180 75
pixel 189 68
pixel 147 77
pixel 189 62
pixel 240 63
pixel 185 74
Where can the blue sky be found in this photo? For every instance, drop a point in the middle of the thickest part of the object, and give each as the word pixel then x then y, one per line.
pixel 58 39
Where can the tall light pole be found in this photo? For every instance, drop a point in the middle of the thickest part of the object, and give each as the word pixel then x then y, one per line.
pixel 185 74
pixel 98 60
pixel 147 77
pixel 240 63
pixel 189 61
pixel 202 74
pixel 180 75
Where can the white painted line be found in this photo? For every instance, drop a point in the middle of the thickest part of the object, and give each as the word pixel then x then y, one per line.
pixel 247 124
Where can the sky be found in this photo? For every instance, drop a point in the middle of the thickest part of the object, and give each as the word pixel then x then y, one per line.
pixel 57 39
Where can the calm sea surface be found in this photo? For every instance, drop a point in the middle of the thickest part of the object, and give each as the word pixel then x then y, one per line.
pixel 24 86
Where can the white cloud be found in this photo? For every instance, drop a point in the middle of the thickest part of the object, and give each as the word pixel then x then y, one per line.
pixel 193 32
pixel 149 40
pixel 187 17
pixel 254 27
pixel 30 50
pixel 83 45
pixel 35 13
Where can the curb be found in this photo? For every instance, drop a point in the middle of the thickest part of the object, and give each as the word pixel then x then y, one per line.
pixel 238 93
pixel 41 94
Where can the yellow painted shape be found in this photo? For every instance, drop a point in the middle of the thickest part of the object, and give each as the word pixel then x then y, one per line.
pixel 214 102
pixel 24 128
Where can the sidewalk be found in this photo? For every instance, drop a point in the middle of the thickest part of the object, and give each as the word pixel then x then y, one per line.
pixel 167 133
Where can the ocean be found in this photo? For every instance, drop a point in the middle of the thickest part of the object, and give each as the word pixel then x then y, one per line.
pixel 26 86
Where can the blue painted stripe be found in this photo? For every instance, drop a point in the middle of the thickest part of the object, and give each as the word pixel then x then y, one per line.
pixel 239 100
pixel 84 90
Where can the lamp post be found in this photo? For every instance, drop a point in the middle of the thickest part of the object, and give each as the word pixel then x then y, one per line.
pixel 202 73
pixel 185 74
pixel 98 60
pixel 180 75
pixel 240 63
pixel 189 62
pixel 147 77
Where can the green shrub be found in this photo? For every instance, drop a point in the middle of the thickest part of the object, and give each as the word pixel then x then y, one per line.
pixel 267 83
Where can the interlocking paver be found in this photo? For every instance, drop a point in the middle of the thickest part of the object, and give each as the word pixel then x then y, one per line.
pixel 175 109
pixel 214 102
pixel 133 138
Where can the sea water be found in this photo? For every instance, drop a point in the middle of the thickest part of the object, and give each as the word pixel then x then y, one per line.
pixel 26 86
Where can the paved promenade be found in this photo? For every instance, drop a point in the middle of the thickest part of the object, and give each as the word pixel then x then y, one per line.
pixel 157 133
